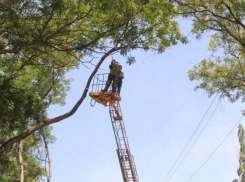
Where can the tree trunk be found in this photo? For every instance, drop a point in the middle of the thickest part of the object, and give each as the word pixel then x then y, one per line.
pixel 49 175
pixel 21 161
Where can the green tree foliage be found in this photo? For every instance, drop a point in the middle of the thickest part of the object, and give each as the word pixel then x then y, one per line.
pixel 223 72
pixel 34 156
pixel 41 40
pixel 241 169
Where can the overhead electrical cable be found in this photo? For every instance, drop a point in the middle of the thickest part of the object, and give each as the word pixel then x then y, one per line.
pixel 195 140
pixel 190 138
pixel 216 148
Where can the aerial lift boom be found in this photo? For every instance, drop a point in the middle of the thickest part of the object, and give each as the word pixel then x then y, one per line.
pixel 112 100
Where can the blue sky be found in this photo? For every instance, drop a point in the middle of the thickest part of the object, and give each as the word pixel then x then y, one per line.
pixel 161 111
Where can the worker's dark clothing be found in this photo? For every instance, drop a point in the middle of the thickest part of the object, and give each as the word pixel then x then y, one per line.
pixel 119 82
pixel 112 77
pixel 115 73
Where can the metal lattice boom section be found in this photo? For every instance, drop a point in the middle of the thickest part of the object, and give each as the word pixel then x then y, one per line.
pixel 112 100
pixel 126 160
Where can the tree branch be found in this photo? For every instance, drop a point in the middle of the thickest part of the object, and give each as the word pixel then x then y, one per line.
pixel 5 146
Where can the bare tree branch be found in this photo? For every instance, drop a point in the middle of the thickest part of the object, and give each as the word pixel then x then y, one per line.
pixel 5 146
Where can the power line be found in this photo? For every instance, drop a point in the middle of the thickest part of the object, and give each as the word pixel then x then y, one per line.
pixel 190 138
pixel 216 148
pixel 195 140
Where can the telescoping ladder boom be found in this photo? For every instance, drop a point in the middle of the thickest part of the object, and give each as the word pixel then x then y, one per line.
pixel 125 158
pixel 112 100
